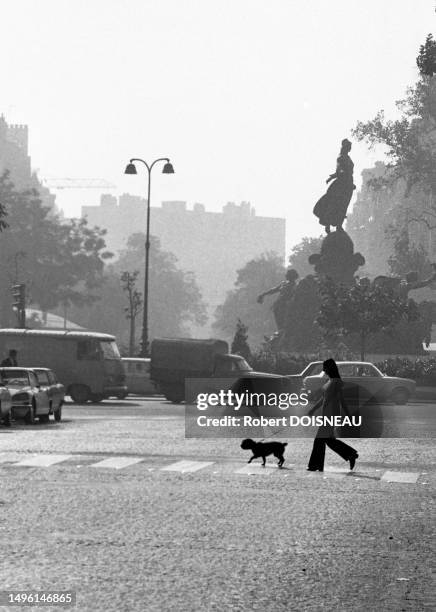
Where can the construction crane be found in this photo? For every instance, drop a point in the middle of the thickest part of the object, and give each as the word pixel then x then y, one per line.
pixel 77 183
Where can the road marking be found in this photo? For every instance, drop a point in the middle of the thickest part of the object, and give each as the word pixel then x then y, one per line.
pixel 117 463
pixel 256 469
pixel 406 477
pixel 187 466
pixel 43 460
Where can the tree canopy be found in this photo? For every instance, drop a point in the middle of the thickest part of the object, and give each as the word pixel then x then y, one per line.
pixel 257 276
pixel 174 298
pixel 60 261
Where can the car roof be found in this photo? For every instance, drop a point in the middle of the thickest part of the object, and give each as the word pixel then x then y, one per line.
pixel 141 359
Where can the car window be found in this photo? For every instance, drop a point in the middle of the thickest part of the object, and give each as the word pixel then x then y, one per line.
pixel 347 369
pixel 147 367
pixel 314 369
pixel 88 350
pixel 42 377
pixel 139 367
pixel 33 380
pixel 19 378
pixel 52 378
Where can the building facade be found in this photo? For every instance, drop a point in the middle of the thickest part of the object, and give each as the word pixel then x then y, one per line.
pixel 14 157
pixel 213 245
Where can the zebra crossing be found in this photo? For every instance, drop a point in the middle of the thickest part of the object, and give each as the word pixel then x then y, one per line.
pixel 188 466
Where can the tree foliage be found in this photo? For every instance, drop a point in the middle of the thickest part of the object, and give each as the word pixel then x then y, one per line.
pixel 174 298
pixel 410 143
pixel 361 311
pixel 300 253
pixel 256 277
pixel 60 262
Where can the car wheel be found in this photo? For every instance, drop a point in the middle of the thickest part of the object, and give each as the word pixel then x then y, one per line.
pixel 122 396
pixel 400 396
pixel 30 416
pixel 44 418
pixel 80 394
pixel 58 414
pixel 7 419
pixel 174 393
pixel 96 398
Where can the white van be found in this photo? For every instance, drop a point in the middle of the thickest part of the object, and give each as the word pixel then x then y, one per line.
pixel 138 376
pixel 88 364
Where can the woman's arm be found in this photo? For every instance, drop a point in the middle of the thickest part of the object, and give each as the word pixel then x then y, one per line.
pixel 344 404
pixel 316 406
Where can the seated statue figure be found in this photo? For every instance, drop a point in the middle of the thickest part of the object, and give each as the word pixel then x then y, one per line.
pixel 331 209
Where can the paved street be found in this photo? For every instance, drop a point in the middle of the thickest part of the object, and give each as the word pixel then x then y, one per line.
pixel 116 505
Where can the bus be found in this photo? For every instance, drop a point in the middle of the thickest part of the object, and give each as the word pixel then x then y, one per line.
pixel 88 364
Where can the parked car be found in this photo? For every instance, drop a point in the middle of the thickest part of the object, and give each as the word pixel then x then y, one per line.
pixel 363 379
pixel 296 380
pixel 29 399
pixel 55 390
pixel 138 380
pixel 5 405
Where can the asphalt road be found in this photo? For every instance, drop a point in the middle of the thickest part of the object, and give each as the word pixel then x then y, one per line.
pixel 115 504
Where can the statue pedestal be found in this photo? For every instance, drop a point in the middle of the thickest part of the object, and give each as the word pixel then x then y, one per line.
pixel 337 258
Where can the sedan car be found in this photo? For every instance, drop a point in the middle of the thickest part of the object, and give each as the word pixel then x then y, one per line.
pixel 29 399
pixel 363 380
pixel 55 390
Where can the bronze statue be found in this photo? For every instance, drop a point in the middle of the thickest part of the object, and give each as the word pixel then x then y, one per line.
pixel 402 286
pixel 286 291
pixel 331 209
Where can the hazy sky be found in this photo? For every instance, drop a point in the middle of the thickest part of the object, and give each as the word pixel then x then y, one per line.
pixel 249 98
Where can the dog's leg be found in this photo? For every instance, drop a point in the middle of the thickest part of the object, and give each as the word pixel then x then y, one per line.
pixel 264 460
pixel 250 460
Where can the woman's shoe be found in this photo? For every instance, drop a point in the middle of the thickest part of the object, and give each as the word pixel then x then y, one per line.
pixel 352 460
pixel 315 469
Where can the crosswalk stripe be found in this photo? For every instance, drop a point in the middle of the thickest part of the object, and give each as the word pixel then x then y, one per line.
pixel 42 460
pixel 406 477
pixel 117 463
pixel 186 466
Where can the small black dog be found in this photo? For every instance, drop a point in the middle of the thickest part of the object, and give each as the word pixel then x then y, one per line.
pixel 263 449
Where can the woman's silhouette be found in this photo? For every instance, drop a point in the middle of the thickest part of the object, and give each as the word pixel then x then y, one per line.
pixel 331 403
pixel 331 209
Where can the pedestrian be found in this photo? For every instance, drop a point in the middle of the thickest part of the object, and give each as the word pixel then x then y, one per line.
pixel 11 360
pixel 331 403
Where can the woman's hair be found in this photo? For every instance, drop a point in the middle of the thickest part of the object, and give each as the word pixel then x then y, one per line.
pixel 345 146
pixel 330 368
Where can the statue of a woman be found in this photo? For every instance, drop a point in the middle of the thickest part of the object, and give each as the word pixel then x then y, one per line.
pixel 331 209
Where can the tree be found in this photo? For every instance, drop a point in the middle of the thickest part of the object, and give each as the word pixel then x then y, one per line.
pixel 256 277
pixel 134 297
pixel 174 298
pixel 360 311
pixel 62 262
pixel 426 60
pixel 240 341
pixel 299 257
pixel 410 143
pixel 408 257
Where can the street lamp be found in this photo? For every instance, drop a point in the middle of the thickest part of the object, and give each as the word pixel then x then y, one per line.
pixel 131 169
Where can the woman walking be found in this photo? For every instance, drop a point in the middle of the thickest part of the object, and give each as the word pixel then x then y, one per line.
pixel 331 403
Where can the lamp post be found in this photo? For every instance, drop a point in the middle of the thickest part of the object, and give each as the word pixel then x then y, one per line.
pixel 131 169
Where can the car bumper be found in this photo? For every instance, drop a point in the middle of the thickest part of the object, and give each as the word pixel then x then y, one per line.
pixel 20 410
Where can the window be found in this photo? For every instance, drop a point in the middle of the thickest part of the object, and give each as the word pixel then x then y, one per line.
pixel 109 349
pixel 52 378
pixel 42 377
pixel 33 380
pixel 139 367
pixel 88 350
